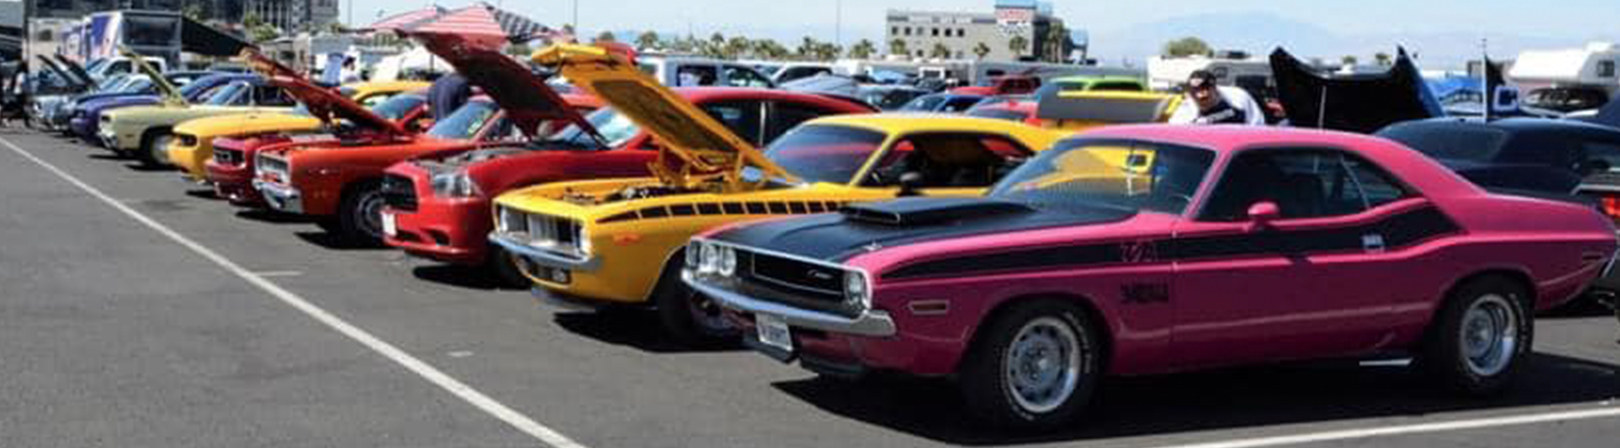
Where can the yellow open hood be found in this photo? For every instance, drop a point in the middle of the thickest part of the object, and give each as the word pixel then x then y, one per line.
pixel 695 147
pixel 171 94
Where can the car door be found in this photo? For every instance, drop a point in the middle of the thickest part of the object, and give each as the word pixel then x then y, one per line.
pixel 1317 281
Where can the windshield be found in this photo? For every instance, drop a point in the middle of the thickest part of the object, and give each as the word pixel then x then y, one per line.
pixel 925 103
pixel 227 95
pixel 465 122
pixel 196 89
pixel 1112 173
pixel 615 127
pixel 1448 141
pixel 108 84
pixel 396 107
pixel 137 85
pixel 822 153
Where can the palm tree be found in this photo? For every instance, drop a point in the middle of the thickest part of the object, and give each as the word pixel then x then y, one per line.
pixel 864 49
pixel 737 47
pixel 1018 44
pixel 940 51
pixel 982 50
pixel 1383 59
pixel 898 47
pixel 1055 44
pixel 648 40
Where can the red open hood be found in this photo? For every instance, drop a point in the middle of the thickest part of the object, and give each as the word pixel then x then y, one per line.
pixel 323 103
pixel 525 97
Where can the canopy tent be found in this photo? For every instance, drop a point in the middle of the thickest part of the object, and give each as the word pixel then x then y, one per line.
pixel 416 60
pixel 401 21
pixel 480 23
pixel 1362 103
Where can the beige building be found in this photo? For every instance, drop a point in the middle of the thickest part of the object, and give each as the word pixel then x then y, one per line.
pixel 961 33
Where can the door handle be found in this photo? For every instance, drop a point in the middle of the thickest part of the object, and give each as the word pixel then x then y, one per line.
pixel 1373 243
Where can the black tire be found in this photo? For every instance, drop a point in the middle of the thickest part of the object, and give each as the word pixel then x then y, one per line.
pixel 154 150
pixel 504 268
pixel 986 371
pixel 692 319
pixel 360 215
pixel 1457 361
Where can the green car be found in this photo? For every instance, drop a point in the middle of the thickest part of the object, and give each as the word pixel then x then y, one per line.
pixel 1093 84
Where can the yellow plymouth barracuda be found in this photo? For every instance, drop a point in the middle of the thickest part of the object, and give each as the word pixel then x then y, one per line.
pixel 146 132
pixel 193 142
pixel 620 242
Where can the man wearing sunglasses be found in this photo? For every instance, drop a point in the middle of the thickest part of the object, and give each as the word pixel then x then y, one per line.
pixel 1209 104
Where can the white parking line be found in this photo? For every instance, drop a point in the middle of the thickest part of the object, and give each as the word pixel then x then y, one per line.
pixel 433 375
pixel 1419 428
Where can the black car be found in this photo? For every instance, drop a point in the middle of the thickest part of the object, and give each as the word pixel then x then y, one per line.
pixel 1532 156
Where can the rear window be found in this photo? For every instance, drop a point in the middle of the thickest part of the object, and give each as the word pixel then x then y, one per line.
pixel 1448 142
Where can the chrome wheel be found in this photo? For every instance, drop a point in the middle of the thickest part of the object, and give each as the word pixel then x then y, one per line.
pixel 370 210
pixel 1042 366
pixel 1489 338
pixel 160 149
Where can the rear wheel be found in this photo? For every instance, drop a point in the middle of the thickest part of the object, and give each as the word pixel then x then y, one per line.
pixel 360 214
pixel 692 318
pixel 1480 337
pixel 1034 367
pixel 154 150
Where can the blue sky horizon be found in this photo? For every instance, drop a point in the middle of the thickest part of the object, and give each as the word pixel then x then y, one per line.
pixel 1571 21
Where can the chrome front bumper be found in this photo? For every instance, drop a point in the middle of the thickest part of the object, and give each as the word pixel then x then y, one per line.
pixel 545 258
pixel 870 323
pixel 280 198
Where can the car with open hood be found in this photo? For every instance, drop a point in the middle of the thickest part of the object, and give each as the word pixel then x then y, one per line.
pixel 146 132
pixel 439 207
pixel 618 242
pixel 193 142
pixel 1138 250
pixel 86 120
pixel 341 183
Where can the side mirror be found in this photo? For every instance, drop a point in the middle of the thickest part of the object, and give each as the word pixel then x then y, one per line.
pixel 1262 214
pixel 910 183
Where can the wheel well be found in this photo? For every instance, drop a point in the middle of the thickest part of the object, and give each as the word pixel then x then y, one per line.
pixel 153 133
pixel 1089 311
pixel 676 256
pixel 354 185
pixel 1518 277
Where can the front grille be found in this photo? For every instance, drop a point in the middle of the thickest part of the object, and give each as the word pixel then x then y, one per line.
pixel 813 281
pixel 399 193
pixel 229 157
pixel 541 231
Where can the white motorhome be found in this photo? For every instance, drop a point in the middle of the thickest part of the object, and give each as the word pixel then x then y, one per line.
pixel 1166 73
pixel 1592 66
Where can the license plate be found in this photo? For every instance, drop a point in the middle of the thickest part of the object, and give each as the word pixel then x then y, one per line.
pixel 773 331
pixel 389 225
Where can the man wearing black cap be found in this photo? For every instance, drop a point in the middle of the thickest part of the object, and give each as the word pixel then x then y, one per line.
pixel 1208 103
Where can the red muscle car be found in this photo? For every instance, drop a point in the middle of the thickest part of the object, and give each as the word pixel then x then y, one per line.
pixel 342 182
pixel 440 207
pixel 1146 250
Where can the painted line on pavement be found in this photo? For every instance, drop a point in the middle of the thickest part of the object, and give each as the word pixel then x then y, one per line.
pixel 433 375
pixel 1418 428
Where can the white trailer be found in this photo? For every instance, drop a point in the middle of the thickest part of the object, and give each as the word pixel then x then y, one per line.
pixel 1592 66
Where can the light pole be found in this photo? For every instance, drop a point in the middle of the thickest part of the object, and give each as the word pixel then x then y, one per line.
pixel 838 23
pixel 576 17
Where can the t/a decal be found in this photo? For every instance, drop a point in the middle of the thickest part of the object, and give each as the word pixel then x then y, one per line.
pixel 1139 252
pixel 1145 293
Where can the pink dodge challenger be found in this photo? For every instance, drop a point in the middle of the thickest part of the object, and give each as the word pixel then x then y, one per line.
pixel 1152 249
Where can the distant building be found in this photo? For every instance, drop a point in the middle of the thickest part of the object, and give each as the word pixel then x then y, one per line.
pixel 288 15
pixel 961 33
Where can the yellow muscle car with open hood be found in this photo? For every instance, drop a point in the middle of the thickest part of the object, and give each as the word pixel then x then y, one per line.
pixel 145 132
pixel 193 142
pixel 620 242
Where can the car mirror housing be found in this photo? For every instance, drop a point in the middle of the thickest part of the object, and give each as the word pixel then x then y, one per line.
pixel 1262 214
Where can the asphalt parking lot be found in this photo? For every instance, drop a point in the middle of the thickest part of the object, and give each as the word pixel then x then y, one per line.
pixel 175 320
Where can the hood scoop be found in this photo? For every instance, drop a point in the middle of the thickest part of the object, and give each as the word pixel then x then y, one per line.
pixel 927 211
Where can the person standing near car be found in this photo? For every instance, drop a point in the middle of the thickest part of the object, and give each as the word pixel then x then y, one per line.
pixel 1208 103
pixel 447 94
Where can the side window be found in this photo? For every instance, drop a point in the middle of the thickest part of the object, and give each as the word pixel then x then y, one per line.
pixel 960 104
pixel 1303 183
pixel 743 77
pixel 697 75
pixel 1605 69
pixel 785 116
pixel 1378 187
pixel 118 67
pixel 951 160
pixel 741 117
pixel 272 96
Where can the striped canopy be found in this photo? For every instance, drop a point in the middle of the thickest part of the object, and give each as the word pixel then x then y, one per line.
pixel 403 20
pixel 481 23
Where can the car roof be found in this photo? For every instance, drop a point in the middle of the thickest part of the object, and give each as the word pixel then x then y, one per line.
pixel 1519 125
pixel 922 122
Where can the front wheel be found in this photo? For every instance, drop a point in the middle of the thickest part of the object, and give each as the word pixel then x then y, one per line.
pixel 692 318
pixel 1480 338
pixel 360 215
pixel 506 269
pixel 154 150
pixel 1035 366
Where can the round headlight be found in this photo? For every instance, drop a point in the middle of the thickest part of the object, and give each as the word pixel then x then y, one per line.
pixel 710 261
pixel 694 251
pixel 855 290
pixel 728 261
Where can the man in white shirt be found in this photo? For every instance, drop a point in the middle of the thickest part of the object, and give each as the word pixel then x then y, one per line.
pixel 1208 103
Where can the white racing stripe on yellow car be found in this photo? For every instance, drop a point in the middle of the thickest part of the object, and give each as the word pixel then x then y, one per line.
pixel 433 375
pixel 1419 428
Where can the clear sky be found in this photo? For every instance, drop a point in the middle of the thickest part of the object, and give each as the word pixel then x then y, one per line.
pixel 789 20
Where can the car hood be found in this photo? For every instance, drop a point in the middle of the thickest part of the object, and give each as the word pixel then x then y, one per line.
pixel 165 89
pixel 117 101
pixel 863 228
pixel 687 134
pixel 248 123
pixel 326 105
pixel 526 98
pixel 474 157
